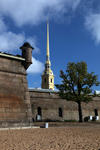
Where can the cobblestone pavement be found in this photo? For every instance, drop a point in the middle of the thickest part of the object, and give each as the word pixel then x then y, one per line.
pixel 63 138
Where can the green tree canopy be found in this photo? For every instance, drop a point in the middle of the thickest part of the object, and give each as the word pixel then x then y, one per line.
pixel 77 84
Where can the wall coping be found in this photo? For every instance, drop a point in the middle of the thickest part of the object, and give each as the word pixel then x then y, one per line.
pixel 42 90
pixel 11 56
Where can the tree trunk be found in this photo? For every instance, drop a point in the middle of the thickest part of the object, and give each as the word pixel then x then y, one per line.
pixel 80 111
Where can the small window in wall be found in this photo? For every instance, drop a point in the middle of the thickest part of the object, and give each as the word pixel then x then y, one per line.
pixel 39 111
pixel 60 112
pixel 51 80
pixel 96 112
pixel 45 80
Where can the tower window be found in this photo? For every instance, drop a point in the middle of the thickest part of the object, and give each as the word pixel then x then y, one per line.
pixel 45 80
pixel 96 112
pixel 51 80
pixel 60 112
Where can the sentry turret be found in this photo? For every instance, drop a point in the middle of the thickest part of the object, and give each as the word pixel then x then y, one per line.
pixel 27 54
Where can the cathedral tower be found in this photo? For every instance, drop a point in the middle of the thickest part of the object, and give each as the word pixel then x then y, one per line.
pixel 47 76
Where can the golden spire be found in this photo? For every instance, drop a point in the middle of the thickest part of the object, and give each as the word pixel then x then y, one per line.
pixel 48 55
pixel 47 76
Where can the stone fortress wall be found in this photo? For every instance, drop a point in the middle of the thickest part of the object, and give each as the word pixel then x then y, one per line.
pixel 15 105
pixel 50 106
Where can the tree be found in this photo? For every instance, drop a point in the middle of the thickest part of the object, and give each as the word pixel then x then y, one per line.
pixel 77 84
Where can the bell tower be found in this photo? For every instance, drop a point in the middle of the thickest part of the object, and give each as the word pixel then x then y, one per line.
pixel 48 76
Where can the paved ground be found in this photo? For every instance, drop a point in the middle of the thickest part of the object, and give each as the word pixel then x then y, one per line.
pixel 59 138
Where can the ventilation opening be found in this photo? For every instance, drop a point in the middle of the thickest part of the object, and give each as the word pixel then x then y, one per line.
pixel 60 112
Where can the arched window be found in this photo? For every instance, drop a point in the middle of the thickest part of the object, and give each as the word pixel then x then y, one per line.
pixel 39 111
pixel 60 112
pixel 96 112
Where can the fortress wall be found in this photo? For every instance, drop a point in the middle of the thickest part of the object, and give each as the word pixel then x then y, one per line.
pixel 51 102
pixel 14 95
pixel 89 108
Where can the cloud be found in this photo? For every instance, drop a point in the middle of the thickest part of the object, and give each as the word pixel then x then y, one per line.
pixel 23 12
pixel 10 41
pixel 92 24
pixel 33 41
pixel 35 11
pixel 75 4
pixel 36 67
pixel 3 27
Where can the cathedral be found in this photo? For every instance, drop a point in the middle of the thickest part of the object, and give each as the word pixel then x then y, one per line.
pixel 20 106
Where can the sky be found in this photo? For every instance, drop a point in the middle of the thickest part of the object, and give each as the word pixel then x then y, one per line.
pixel 74 33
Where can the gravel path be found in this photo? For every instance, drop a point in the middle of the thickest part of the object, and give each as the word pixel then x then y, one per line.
pixel 66 138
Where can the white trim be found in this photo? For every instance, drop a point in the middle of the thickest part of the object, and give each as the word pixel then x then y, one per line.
pixel 11 56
